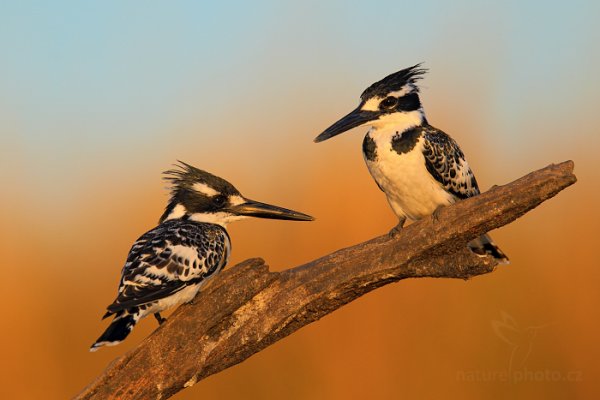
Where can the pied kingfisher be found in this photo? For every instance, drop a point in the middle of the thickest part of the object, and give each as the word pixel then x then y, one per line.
pixel 169 264
pixel 418 167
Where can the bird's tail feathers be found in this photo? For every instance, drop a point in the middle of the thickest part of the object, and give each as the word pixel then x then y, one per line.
pixel 485 246
pixel 117 331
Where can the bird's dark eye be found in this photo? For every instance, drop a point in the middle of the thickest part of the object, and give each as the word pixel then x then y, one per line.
pixel 219 200
pixel 389 102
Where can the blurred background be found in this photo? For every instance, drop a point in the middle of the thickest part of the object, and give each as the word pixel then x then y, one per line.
pixel 98 98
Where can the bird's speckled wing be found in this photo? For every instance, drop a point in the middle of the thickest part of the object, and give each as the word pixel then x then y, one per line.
pixel 168 258
pixel 447 164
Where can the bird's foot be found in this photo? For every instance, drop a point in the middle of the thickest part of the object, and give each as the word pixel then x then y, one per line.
pixel 435 216
pixel 159 318
pixel 395 231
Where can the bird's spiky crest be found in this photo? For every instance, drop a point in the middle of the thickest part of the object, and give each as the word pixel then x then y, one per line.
pixel 184 175
pixel 394 82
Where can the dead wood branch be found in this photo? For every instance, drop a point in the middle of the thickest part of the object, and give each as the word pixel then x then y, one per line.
pixel 247 307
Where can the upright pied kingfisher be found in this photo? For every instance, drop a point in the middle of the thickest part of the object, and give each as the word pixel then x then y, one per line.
pixel 418 167
pixel 169 264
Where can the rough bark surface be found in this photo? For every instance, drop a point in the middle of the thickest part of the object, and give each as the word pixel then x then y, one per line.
pixel 247 307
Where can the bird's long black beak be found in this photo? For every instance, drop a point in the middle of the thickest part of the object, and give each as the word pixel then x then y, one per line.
pixel 257 209
pixel 352 120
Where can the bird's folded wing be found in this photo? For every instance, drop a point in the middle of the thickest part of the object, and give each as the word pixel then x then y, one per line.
pixel 447 164
pixel 167 259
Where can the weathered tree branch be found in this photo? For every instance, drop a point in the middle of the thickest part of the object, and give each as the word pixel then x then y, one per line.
pixel 247 307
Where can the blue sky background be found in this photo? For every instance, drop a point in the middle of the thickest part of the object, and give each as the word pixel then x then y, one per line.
pixel 79 80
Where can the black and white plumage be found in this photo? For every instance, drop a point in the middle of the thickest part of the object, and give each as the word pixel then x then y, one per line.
pixel 169 264
pixel 418 167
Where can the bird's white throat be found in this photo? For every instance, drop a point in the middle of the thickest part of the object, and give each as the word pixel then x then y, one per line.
pixel 219 218
pixel 397 122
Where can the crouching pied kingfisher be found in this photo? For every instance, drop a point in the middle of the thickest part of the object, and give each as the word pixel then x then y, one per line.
pixel 418 167
pixel 170 263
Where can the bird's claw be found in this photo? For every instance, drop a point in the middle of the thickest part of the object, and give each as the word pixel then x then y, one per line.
pixel 395 231
pixel 160 319
pixel 435 216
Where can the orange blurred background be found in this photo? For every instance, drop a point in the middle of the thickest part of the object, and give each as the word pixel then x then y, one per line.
pixel 98 100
